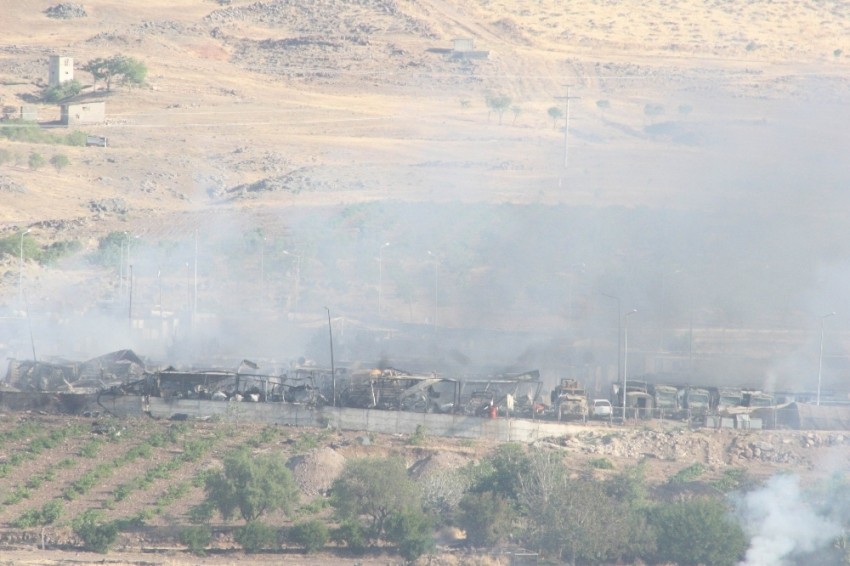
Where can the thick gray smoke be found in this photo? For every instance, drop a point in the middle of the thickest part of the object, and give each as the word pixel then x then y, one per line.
pixel 782 524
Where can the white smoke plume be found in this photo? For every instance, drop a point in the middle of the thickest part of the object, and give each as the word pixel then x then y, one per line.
pixel 782 524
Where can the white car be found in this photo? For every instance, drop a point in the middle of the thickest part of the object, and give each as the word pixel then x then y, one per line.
pixel 601 409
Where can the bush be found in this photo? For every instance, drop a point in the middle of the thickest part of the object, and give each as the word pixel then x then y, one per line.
pixel 36 161
pixel 60 91
pixel 255 536
pixel 699 531
pixel 486 518
pixel 351 534
pixel 601 464
pixel 96 534
pixel 59 161
pixel 312 535
pixel 196 538
pixel 412 532
pixel 688 474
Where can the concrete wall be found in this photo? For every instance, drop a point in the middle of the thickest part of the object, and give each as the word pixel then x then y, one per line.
pixel 387 422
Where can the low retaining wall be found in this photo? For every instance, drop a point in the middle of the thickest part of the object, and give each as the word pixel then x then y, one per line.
pixel 367 420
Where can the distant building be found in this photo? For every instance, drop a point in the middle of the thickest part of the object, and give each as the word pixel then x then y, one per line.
pixel 61 70
pixel 29 113
pixel 92 112
pixel 463 44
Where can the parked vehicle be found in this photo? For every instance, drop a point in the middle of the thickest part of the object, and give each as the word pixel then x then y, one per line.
pixel 601 409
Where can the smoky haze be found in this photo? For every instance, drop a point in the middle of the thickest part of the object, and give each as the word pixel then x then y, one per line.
pixel 718 218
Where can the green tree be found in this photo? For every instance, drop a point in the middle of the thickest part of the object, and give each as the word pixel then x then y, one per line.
pixel 516 110
pixel 118 67
pixel 486 517
pixel 556 114
pixel 375 488
pixel 412 531
pixel 59 161
pixel 502 471
pixel 61 91
pixel 699 531
pixel 97 534
pixel 252 485
pixel 498 103
pixel 36 161
pixel 255 536
pixel 196 538
pixel 312 535
pixel 352 534
pixel 629 486
pixel 575 519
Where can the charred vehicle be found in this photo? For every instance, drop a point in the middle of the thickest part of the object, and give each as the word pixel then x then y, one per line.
pixel 569 400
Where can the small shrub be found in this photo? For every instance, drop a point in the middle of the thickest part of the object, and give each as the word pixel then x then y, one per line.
pixel 351 534
pixel 419 436
pixel 28 519
pixel 96 534
pixel 603 104
pixel 601 464
pixel 255 536
pixel 201 513
pixel 196 538
pixel 60 161
pixel 36 161
pixel 312 535
pixel 688 474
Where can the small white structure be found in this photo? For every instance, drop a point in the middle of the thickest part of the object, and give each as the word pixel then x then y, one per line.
pixel 83 112
pixel 61 70
pixel 463 44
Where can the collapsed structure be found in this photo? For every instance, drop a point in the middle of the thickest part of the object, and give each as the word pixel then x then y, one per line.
pixel 117 378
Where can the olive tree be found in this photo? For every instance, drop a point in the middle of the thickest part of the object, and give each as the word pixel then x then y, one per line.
pixel 252 485
pixel 118 67
pixel 498 103
pixel 374 488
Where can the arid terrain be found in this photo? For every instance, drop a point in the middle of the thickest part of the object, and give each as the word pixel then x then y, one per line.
pixel 277 149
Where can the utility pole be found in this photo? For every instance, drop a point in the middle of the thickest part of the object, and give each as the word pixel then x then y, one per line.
pixel 333 369
pixel 566 100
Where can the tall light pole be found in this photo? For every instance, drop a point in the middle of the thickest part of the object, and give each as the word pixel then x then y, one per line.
pixel 436 287
pixel 297 276
pixel 21 272
pixel 333 369
pixel 626 357
pixel 381 279
pixel 619 335
pixel 820 358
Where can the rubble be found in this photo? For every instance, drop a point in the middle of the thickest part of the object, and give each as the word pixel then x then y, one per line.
pixel 106 205
pixel 315 472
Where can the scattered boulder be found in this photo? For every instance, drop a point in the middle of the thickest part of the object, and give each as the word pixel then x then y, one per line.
pixel 66 11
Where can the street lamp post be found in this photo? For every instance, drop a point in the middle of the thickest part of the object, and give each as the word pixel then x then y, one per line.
pixel 626 358
pixel 820 358
pixel 619 335
pixel 381 279
pixel 333 369
pixel 297 276
pixel 436 288
pixel 21 271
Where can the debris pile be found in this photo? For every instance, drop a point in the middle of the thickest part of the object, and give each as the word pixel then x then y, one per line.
pixel 315 472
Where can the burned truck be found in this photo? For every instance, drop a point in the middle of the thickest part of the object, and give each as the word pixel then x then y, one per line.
pixel 569 400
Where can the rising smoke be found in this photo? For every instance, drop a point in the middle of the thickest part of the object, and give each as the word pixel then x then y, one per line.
pixel 784 526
